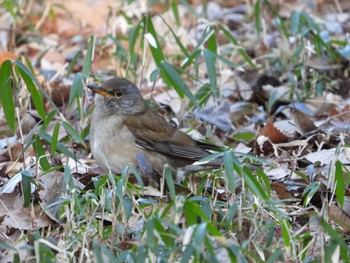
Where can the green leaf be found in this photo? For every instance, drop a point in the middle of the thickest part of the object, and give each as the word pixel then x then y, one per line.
pixel 29 64
pixel 246 136
pixel 72 132
pixel 134 32
pixel 200 235
pixel 203 94
pixel 128 206
pixel 137 175
pixel 187 255
pixel 337 237
pixel 60 147
pixel 177 82
pixel 286 232
pixel 73 62
pixel 211 69
pixel 257 16
pixel 155 47
pixel 151 239
pixel 192 211
pixel 169 181
pixel 55 138
pixel 24 69
pixel 36 97
pixel 120 52
pixel 157 52
pixel 154 75
pixel 231 213
pixel 340 185
pixel 40 152
pixel 96 248
pixel 27 188
pixel 211 43
pixel 166 238
pixel 178 41
pixel 253 184
pixel 224 60
pixel 279 21
pixel 241 50
pixel 228 164
pixel 205 36
pixel 263 177
pixel 311 23
pixel 213 230
pixel 88 57
pixel 318 42
pixel 68 178
pixel 273 100
pixel 275 256
pixel 208 158
pixel 196 51
pixel 31 79
pixel 189 60
pixel 309 192
pixel 6 95
pixel 174 7
pixel 294 22
pixel 77 88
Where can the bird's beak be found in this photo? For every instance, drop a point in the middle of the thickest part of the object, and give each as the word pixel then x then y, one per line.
pixel 97 88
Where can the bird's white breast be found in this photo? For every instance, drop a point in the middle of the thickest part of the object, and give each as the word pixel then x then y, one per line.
pixel 113 144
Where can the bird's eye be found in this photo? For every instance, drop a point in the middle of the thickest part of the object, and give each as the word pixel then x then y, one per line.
pixel 119 93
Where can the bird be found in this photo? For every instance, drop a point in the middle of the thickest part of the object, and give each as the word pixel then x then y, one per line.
pixel 125 131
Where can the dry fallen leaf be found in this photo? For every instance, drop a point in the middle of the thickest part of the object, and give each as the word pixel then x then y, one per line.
pixel 274 134
pixel 53 185
pixel 337 215
pixel 30 218
pixel 8 203
pixel 282 190
pixel 6 55
pixel 303 122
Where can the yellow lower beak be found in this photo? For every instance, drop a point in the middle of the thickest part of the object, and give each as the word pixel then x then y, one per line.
pixel 97 88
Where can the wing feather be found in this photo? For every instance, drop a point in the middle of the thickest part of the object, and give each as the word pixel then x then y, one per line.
pixel 159 135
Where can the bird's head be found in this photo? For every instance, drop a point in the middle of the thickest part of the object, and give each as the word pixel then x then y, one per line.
pixel 118 96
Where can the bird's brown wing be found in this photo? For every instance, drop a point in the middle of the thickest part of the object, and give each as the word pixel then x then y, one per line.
pixel 159 135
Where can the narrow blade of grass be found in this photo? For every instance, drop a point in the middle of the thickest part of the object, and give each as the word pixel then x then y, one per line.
pixel 27 188
pixel 36 97
pixel 55 138
pixel 169 181
pixel 40 152
pixel 23 71
pixel 211 69
pixel 340 186
pixel 177 82
pixel 294 22
pixel 72 132
pixel 72 63
pixel 253 184
pixel 77 88
pixel 6 95
pixel 178 41
pixel 228 164
pixel 89 57
pixel 60 146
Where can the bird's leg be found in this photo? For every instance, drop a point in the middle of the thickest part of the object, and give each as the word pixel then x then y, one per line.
pixel 146 169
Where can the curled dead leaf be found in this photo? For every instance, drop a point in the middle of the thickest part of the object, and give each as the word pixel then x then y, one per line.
pixel 303 122
pixel 27 218
pixel 273 133
pixel 337 215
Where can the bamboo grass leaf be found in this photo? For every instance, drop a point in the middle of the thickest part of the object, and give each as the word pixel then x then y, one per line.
pixel 6 95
